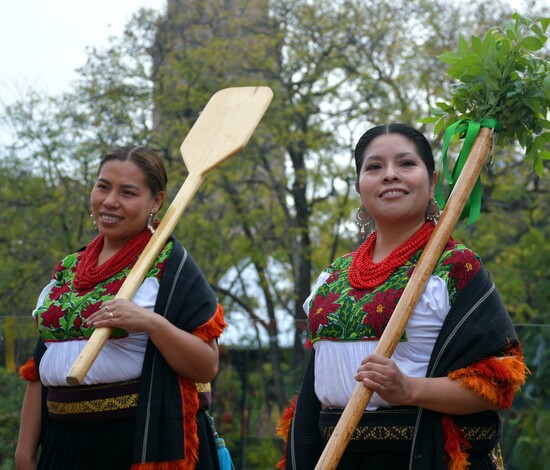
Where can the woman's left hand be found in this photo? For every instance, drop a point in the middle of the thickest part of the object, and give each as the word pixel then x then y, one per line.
pixel 382 376
pixel 121 313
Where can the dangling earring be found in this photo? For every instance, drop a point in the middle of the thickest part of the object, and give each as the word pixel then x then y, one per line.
pixel 433 211
pixel 150 225
pixel 93 221
pixel 364 221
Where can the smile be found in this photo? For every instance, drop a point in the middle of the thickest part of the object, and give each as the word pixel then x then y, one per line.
pixel 393 193
pixel 109 218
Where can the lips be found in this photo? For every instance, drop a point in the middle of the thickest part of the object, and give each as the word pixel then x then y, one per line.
pixel 109 218
pixel 393 193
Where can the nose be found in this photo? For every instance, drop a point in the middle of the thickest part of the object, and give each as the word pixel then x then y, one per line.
pixel 111 199
pixel 391 173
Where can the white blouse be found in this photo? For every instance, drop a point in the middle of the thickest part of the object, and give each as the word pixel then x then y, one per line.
pixel 119 360
pixel 336 362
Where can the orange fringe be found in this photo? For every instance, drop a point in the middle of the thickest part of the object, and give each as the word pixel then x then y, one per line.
pixel 213 328
pixel 283 428
pixel 190 399
pixel 29 371
pixel 455 444
pixel 190 396
pixel 496 378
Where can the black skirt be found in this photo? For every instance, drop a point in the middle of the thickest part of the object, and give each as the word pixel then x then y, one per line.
pixel 108 445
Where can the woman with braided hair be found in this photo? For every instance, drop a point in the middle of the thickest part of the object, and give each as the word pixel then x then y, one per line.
pixel 142 404
pixel 435 402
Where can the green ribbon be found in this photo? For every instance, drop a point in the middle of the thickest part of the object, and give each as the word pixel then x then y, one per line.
pixel 467 130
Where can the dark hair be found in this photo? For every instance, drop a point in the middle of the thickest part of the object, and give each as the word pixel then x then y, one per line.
pixel 149 162
pixel 423 147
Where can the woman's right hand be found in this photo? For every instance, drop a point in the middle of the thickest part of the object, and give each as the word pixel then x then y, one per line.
pixel 382 376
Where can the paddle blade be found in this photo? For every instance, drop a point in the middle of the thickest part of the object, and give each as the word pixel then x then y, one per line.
pixel 224 127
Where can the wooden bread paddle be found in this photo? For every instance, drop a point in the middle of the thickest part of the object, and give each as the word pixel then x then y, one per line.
pixel 222 129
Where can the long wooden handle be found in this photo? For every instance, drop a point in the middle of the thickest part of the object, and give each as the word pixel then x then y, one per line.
pixel 100 336
pixel 222 129
pixel 394 330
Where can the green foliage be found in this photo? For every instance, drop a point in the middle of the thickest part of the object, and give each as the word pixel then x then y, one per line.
pixel 277 213
pixel 12 389
pixel 499 77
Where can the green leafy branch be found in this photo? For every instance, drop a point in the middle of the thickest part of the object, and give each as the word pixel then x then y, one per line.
pixel 500 77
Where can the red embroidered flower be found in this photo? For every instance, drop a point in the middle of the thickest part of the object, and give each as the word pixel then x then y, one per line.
pixel 50 318
pixel 57 292
pixel 160 266
pixel 464 267
pixel 320 309
pixel 113 287
pixel 92 308
pixel 77 323
pixel 380 309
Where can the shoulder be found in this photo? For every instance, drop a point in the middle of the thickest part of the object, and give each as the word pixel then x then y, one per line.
pixel 66 265
pixel 341 263
pixel 457 266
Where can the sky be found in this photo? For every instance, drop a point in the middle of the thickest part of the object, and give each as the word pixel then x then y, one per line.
pixel 42 42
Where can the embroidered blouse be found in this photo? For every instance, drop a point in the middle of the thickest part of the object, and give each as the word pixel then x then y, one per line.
pixel 62 310
pixel 345 323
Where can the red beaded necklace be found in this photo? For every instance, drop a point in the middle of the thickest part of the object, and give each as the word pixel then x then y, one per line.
pixel 364 273
pixel 89 274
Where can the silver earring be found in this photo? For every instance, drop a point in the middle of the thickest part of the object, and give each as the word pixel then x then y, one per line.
pixel 93 221
pixel 433 211
pixel 150 225
pixel 364 221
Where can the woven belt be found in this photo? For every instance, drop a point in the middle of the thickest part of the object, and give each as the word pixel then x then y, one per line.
pixel 392 429
pixel 93 403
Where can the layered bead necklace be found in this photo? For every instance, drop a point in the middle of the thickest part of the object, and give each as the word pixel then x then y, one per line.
pixel 89 274
pixel 364 273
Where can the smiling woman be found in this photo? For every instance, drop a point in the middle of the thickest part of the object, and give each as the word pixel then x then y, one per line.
pixel 170 327
pixel 457 363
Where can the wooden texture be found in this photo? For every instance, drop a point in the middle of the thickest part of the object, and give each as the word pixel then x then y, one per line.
pixel 222 129
pixel 361 396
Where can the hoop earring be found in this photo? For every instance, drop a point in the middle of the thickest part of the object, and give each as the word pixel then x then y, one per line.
pixel 150 222
pixel 433 211
pixel 93 221
pixel 364 221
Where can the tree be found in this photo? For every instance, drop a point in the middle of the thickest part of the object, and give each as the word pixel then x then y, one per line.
pixel 267 221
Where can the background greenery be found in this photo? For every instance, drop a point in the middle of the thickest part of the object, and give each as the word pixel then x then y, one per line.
pixel 265 223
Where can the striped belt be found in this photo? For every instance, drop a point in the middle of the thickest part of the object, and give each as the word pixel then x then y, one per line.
pixel 93 403
pixel 392 430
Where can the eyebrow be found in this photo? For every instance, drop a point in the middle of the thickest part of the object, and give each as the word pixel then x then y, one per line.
pixel 399 155
pixel 124 186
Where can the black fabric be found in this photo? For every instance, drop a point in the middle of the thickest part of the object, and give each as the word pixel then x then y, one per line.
pixel 485 332
pixel 476 327
pixel 208 453
pixel 88 446
pixel 305 446
pixel 187 301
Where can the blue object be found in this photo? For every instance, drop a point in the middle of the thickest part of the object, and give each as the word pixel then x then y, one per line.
pixel 223 455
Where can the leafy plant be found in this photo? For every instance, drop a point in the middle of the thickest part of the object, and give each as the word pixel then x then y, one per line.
pixel 499 77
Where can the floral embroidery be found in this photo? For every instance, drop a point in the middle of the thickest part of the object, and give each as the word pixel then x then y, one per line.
pixel 339 312
pixel 61 317
pixel 380 309
pixel 321 308
pixel 464 266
